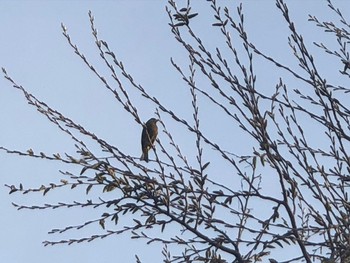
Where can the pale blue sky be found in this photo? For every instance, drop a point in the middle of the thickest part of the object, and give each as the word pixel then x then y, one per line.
pixel 36 55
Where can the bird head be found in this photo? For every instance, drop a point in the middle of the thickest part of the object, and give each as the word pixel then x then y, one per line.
pixel 154 120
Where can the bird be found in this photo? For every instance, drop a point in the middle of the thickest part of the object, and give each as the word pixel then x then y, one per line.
pixel 148 137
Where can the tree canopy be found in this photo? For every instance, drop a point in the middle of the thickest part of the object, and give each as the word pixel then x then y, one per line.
pixel 285 189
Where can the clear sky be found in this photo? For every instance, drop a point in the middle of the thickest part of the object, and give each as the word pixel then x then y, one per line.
pixel 37 56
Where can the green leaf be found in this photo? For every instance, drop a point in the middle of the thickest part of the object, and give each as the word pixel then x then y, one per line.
pixel 88 188
pixel 179 24
pixel 192 15
pixel 205 166
pixel 102 223
pixel 46 190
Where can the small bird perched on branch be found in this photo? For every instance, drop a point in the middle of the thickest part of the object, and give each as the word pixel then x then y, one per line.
pixel 148 137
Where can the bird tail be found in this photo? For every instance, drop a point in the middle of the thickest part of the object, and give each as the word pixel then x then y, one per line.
pixel 144 156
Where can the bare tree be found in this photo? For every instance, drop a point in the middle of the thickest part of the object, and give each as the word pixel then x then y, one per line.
pixel 308 212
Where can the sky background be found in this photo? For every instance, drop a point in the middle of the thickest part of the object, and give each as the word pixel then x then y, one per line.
pixel 37 56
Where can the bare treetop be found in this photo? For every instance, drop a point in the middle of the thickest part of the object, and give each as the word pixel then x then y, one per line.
pixel 284 200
